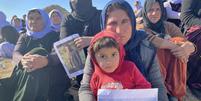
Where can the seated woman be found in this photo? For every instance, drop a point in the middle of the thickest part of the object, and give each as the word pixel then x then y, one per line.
pixel 173 8
pixel 84 20
pixel 17 23
pixel 10 36
pixel 3 23
pixel 118 16
pixel 191 28
pixel 138 12
pixel 169 53
pixel 35 77
pixel 56 18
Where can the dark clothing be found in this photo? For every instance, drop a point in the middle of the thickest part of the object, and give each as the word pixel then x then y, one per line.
pixel 190 14
pixel 76 59
pixel 194 63
pixel 176 8
pixel 10 34
pixel 48 82
pixel 82 10
pixel 139 15
pixel 89 25
pixel 23 23
pixel 70 26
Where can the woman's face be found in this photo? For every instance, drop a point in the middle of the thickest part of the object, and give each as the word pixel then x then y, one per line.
pixel 154 13
pixel 35 22
pixel 55 18
pixel 136 5
pixel 17 23
pixel 119 22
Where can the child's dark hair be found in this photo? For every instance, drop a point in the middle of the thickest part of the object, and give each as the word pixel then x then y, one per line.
pixel 103 42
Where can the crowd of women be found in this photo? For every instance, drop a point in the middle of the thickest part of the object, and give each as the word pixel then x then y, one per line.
pixel 164 46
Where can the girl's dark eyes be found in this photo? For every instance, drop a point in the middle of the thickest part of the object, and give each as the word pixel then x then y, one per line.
pixel 102 56
pixel 114 55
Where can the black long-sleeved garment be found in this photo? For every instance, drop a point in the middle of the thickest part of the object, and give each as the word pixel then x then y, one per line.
pixel 190 14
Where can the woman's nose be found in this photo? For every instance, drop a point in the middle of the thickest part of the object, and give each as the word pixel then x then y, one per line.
pixel 118 29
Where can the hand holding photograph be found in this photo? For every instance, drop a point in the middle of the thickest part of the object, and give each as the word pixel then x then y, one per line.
pixel 73 60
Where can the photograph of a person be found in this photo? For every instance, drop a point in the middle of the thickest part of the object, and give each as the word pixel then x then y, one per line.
pixel 74 57
pixel 73 60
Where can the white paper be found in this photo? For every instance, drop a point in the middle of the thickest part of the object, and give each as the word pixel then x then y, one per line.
pixel 128 95
pixel 71 68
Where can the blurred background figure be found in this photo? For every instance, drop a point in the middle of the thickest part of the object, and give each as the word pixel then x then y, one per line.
pixel 8 37
pixel 24 20
pixel 17 23
pixel 56 18
pixel 137 6
pixel 173 8
pixel 11 21
pixel 138 12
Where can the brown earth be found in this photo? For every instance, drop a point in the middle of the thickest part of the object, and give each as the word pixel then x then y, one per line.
pixel 9 64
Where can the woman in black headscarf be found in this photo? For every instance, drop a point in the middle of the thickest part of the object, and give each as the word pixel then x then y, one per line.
pixel 162 33
pixel 84 20
pixel 118 17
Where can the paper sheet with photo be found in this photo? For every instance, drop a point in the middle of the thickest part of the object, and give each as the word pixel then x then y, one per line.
pixel 73 60
pixel 128 95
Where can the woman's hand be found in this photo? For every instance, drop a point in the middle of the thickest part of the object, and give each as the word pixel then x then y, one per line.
pixel 183 51
pixel 33 62
pixel 82 42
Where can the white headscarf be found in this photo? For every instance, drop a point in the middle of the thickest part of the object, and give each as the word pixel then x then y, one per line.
pixel 17 28
pixel 47 24
pixel 3 21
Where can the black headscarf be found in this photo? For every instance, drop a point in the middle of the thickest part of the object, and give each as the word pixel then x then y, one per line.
pixel 157 28
pixel 10 34
pixel 82 9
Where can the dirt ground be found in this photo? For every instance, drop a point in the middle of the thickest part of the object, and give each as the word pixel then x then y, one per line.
pixel 7 66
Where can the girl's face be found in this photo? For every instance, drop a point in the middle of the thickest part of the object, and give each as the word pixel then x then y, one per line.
pixel 35 22
pixel 119 22
pixel 154 13
pixel 108 59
